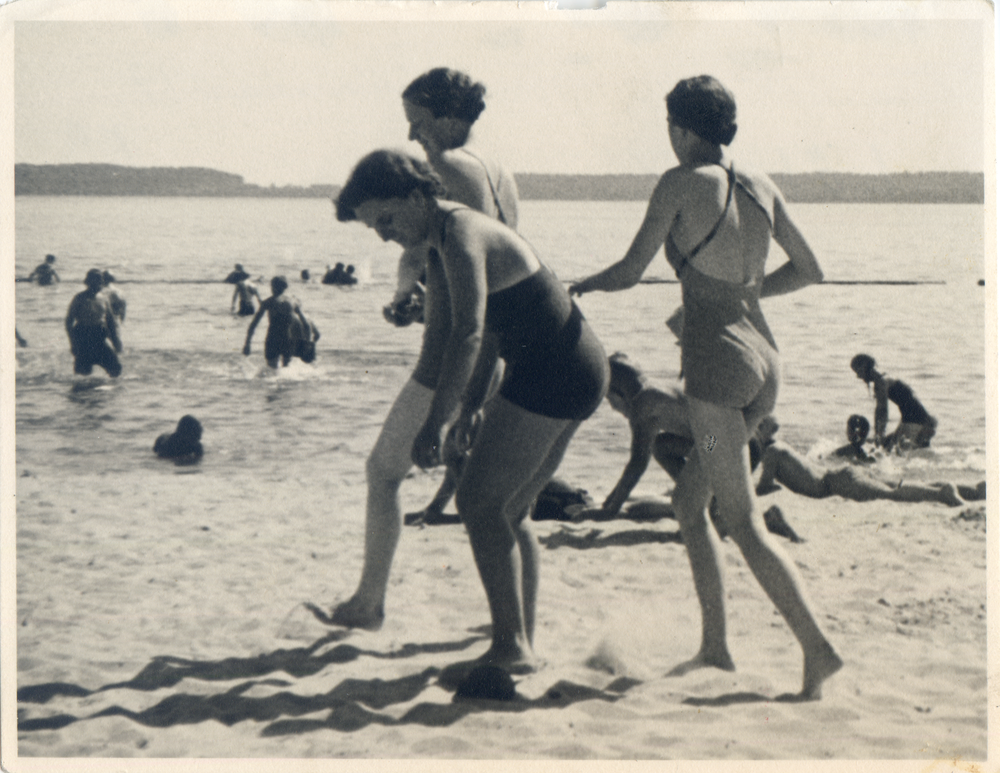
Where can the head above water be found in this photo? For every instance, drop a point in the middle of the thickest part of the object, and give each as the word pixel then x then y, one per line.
pixel 189 428
pixel 94 279
pixel 278 285
pixel 50 258
pixel 447 93
pixel 704 106
pixel 857 429
pixel 384 175
pixel 864 366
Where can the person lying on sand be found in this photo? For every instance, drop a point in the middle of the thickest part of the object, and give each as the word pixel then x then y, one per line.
pixel 782 464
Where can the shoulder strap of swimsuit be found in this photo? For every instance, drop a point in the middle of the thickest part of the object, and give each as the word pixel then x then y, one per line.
pixel 731 174
pixel 493 190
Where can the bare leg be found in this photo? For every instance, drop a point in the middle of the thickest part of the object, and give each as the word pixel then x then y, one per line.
pixel 690 499
pixel 721 439
pixel 514 455
pixel 387 465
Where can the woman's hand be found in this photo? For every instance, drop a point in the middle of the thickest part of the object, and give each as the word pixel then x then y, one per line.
pixel 465 430
pixel 246 349
pixel 427 447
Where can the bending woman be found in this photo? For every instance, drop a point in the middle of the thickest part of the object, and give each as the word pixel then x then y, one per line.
pixel 916 425
pixel 441 106
pixel 716 222
pixel 504 304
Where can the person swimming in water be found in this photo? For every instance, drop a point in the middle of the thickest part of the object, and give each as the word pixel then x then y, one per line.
pixel 857 433
pixel 916 426
pixel 716 221
pixel 285 325
pixel 184 444
pixel 90 324
pixel 238 274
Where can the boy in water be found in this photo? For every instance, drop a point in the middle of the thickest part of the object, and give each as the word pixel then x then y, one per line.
pixel 286 325
pixel 245 291
pixel 89 325
pixel 45 273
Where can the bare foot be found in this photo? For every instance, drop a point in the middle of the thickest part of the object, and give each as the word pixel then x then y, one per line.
pixel 354 614
pixel 516 664
pixel 949 495
pixel 702 660
pixel 817 669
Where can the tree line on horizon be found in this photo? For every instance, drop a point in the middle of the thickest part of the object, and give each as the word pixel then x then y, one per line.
pixel 811 187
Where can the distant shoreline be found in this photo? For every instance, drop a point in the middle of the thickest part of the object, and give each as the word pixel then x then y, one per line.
pixel 813 187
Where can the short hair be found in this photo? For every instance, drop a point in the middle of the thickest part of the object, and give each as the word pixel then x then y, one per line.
pixel 858 423
pixel 706 107
pixel 94 279
pixel 386 174
pixel 189 427
pixel 447 93
pixel 278 285
pixel 862 364
pixel 627 379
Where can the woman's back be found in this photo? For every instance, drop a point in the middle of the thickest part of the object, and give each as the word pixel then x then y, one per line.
pixel 736 216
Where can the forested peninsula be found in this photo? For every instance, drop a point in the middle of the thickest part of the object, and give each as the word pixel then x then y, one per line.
pixel 817 187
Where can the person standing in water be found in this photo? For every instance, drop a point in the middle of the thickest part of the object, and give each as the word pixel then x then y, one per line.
pixel 916 425
pixel 286 325
pixel 716 221
pixel 45 273
pixel 244 292
pixel 441 106
pixel 90 324
pixel 115 298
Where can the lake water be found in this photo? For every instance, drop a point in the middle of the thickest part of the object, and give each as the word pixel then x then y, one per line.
pixel 183 347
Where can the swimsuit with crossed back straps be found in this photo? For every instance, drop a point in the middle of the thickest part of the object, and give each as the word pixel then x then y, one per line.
pixel 554 364
pixel 728 355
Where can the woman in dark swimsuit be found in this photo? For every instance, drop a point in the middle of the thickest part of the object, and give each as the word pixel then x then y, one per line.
pixel 916 425
pixel 441 105
pixel 717 222
pixel 504 304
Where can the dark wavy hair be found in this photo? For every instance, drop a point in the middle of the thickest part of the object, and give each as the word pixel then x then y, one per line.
pixel 704 106
pixel 864 363
pixel 386 174
pixel 447 92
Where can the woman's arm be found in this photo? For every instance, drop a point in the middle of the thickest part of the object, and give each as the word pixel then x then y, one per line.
pixel 881 389
pixel 663 208
pixel 465 269
pixel 642 451
pixel 802 268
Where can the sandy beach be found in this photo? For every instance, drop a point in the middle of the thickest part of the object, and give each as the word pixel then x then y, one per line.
pixel 192 639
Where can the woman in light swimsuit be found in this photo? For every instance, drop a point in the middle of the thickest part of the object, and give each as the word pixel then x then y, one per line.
pixel 505 304
pixel 441 106
pixel 916 425
pixel 716 222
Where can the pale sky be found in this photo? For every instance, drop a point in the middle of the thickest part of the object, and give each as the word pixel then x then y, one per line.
pixel 299 102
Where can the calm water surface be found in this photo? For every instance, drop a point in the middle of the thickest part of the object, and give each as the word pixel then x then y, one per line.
pixel 182 346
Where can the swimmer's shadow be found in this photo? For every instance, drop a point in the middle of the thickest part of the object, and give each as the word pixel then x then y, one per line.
pixel 595 538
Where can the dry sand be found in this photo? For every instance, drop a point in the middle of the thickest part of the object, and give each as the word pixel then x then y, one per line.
pixel 178 631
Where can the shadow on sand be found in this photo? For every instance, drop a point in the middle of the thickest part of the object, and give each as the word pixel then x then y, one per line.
pixel 353 704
